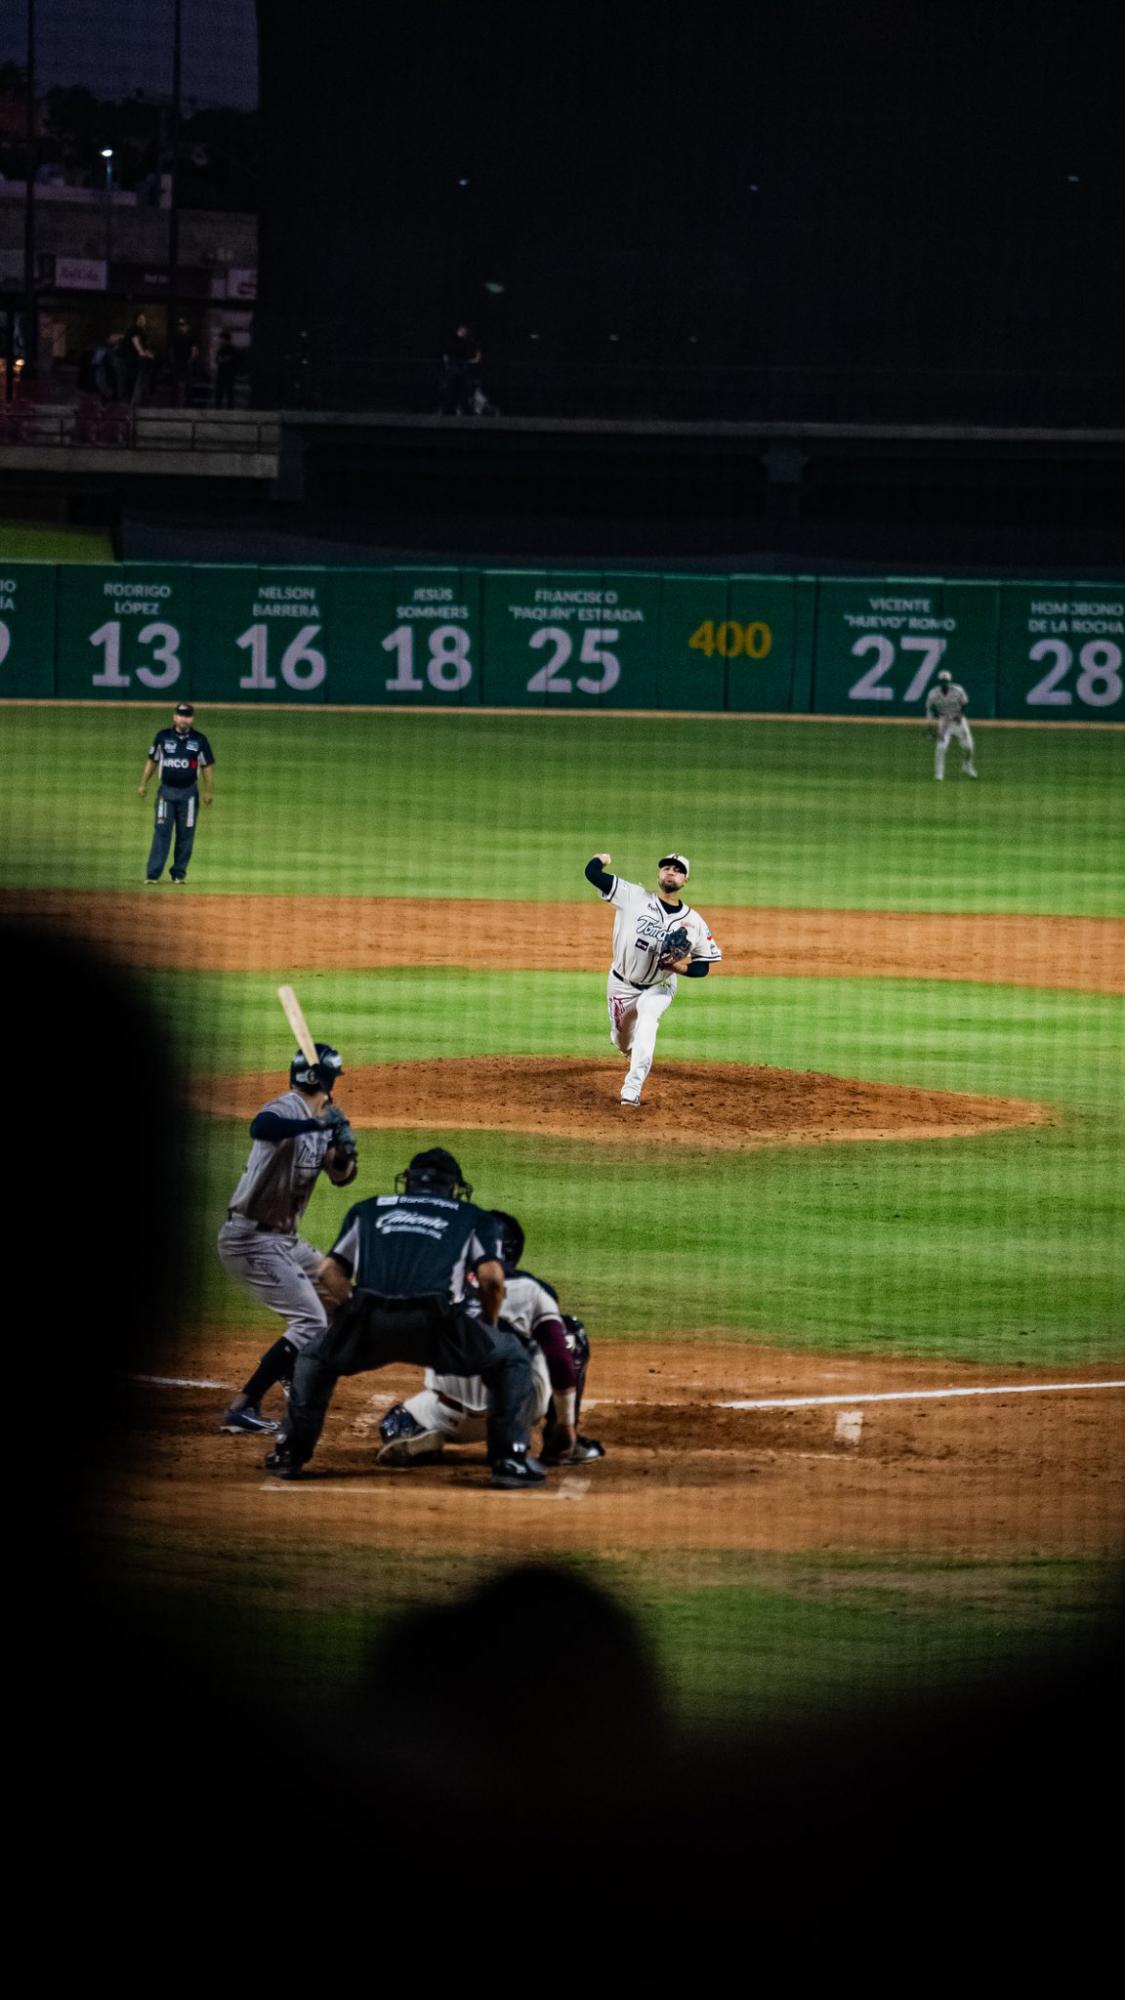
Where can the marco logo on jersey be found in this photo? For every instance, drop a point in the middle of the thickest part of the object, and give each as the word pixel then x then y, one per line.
pixel 178 763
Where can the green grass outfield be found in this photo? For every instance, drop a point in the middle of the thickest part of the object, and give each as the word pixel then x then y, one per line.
pixel 789 814
pixel 1003 1250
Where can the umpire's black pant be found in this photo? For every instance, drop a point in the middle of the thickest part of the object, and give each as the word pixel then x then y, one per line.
pixel 369 1331
pixel 176 810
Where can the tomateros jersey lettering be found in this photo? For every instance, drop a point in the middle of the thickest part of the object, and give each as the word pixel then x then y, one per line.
pixel 640 927
pixel 410 1246
pixel 181 758
pixel 280 1174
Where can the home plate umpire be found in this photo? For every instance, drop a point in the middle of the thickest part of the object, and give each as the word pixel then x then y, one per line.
pixel 408 1255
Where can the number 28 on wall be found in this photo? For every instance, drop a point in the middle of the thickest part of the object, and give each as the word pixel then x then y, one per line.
pixel 1099 674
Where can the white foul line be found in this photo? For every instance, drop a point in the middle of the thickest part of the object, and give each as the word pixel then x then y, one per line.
pixel 176 1382
pixel 912 1395
pixel 762 1402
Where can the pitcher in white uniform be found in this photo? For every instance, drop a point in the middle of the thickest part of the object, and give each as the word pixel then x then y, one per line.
pixel 655 937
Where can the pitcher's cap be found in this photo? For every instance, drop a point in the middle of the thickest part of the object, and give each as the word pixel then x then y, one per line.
pixel 675 861
pixel 184 708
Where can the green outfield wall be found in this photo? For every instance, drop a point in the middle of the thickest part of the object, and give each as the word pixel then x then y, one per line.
pixel 515 638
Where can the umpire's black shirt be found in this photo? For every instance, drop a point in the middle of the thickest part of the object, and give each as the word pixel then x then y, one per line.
pixel 180 757
pixel 413 1246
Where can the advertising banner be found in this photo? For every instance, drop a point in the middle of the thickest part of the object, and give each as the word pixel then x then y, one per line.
pixel 881 643
pixel 563 639
pixel 124 631
pixel 761 636
pixel 1061 651
pixel 405 637
pixel 259 635
pixel 27 629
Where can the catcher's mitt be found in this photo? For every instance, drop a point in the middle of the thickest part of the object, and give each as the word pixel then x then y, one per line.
pixel 676 945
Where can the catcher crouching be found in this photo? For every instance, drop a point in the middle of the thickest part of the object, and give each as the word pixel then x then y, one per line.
pixel 455 1409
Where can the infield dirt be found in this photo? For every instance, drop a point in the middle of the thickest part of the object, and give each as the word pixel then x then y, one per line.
pixel 351 933
pixel 1020 1474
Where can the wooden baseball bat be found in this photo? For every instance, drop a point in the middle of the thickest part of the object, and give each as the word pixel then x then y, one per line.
pixel 297 1022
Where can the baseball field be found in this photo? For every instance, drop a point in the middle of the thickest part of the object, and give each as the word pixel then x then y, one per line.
pixel 854 1274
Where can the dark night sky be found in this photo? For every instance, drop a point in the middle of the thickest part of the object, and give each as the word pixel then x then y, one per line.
pixel 117 47
pixel 901 183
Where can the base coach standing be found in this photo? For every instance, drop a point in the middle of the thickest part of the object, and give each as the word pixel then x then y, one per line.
pixel 179 754
pixel 409 1255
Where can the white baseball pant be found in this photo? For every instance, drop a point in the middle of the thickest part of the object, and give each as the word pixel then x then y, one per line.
pixel 433 1406
pixel 959 732
pixel 634 1018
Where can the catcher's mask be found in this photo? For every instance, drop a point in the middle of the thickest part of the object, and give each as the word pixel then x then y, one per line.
pixel 433 1172
pixel 511 1237
pixel 323 1074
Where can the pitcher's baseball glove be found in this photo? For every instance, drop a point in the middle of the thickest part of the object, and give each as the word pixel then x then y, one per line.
pixel 676 945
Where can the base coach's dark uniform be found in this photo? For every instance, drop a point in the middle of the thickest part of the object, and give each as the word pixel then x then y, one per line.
pixel 181 755
pixel 409 1254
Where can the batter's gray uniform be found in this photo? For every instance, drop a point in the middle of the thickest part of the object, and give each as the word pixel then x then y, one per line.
pixel 639 992
pixel 945 705
pixel 259 1243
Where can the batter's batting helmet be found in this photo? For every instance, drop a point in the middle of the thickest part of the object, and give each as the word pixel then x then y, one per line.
pixel 511 1237
pixel 323 1074
pixel 433 1172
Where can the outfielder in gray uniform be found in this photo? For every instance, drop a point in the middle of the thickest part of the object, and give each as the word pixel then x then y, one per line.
pixel 945 718
pixel 295 1135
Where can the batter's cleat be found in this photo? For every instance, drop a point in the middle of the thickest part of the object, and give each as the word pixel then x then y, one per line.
pixel 514 1474
pixel 581 1452
pixel 281 1465
pixel 250 1419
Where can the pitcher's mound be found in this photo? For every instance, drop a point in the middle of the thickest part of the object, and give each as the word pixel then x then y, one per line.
pixel 687 1104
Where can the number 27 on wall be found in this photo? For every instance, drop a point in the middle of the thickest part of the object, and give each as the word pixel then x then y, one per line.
pixel 870 686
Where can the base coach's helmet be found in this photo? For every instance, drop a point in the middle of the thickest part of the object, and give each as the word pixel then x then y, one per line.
pixel 324 1074
pixel 433 1172
pixel 511 1237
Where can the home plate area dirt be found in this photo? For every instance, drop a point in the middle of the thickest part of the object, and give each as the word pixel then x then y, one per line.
pixel 1026 1472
